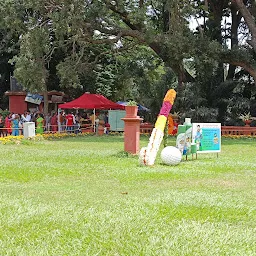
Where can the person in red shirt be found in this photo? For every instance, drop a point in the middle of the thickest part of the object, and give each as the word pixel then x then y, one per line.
pixel 70 121
pixel 1 125
pixel 8 125
pixel 54 122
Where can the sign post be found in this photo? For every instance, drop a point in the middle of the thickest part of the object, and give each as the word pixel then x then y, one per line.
pixel 207 137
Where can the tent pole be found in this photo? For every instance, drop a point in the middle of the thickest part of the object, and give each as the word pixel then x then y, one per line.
pixel 58 119
pixel 94 125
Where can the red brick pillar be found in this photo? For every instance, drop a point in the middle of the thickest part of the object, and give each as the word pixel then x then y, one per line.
pixel 132 131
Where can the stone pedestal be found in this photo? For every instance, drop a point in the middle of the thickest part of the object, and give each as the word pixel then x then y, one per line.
pixel 132 133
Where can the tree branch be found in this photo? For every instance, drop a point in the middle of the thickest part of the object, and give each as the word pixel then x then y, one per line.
pixel 124 16
pixel 119 33
pixel 246 66
pixel 249 19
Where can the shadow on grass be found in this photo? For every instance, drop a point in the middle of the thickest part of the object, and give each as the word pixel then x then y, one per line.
pixel 124 154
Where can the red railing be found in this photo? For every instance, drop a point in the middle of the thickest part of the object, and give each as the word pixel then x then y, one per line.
pixel 146 128
pixel 238 130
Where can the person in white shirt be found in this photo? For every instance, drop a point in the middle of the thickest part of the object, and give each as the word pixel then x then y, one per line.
pixel 28 116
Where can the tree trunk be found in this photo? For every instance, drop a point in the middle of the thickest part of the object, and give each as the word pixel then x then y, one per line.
pixel 44 86
pixel 46 103
pixel 236 18
pixel 249 19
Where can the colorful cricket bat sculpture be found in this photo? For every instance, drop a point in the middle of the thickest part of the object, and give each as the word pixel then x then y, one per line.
pixel 148 154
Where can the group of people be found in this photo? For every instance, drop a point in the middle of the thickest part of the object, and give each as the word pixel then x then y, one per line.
pixel 13 123
pixel 74 123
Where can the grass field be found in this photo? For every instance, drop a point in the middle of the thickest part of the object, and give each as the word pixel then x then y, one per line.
pixel 85 196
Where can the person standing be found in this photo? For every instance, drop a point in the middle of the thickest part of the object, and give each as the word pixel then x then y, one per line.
pixel 33 117
pixel 54 122
pixel 61 120
pixel 15 126
pixel 21 122
pixel 47 122
pixel 70 121
pixel 23 117
pixel 93 117
pixel 28 116
pixel 39 124
pixel 1 126
pixel 106 117
pixel 8 124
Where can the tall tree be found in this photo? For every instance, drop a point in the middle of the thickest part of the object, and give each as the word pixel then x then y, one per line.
pixel 161 25
pixel 30 65
pixel 84 31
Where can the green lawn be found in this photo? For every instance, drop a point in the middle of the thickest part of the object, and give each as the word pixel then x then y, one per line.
pixel 85 196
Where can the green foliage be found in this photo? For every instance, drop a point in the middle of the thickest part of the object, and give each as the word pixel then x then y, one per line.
pixel 105 79
pixel 142 76
pixel 68 74
pixel 206 60
pixel 192 103
pixel 125 49
pixel 30 68
pixel 4 113
pixel 8 48
pixel 239 100
pixel 131 103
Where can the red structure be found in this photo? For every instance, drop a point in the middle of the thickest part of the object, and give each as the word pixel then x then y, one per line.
pixel 91 101
pixel 238 130
pixel 132 131
pixel 19 102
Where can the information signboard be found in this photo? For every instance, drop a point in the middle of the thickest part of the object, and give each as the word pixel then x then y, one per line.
pixel 34 98
pixel 207 137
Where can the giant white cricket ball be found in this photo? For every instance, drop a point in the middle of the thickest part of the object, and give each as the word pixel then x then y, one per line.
pixel 171 155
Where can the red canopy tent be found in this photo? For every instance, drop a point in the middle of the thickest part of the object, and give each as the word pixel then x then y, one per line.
pixel 92 101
